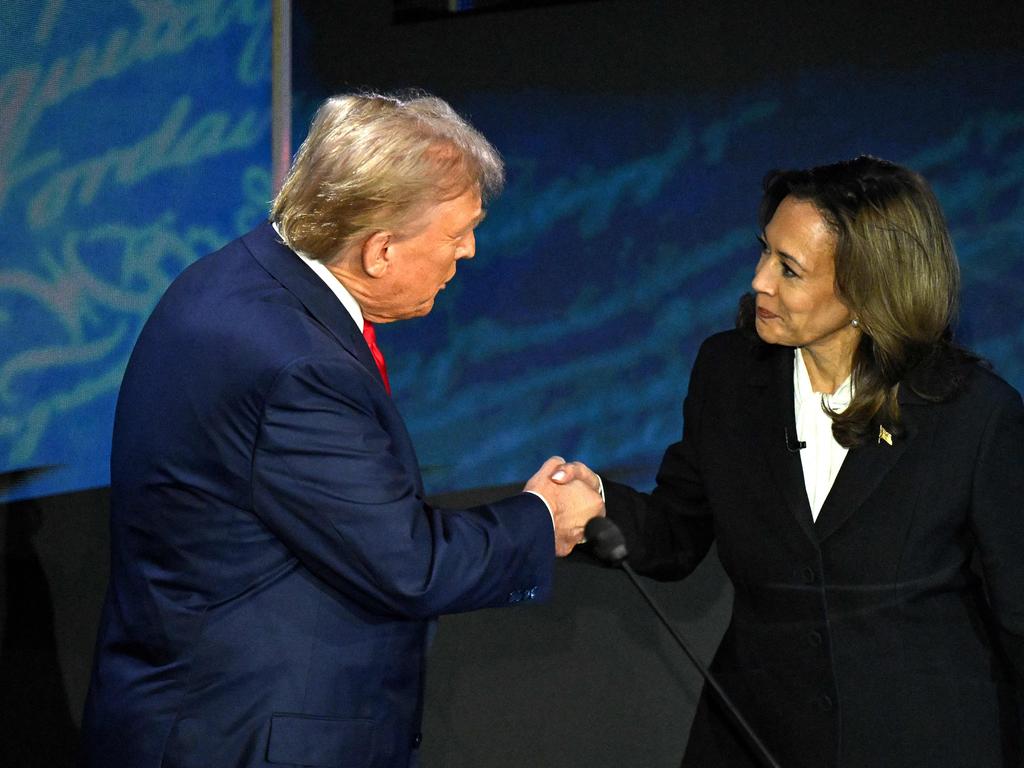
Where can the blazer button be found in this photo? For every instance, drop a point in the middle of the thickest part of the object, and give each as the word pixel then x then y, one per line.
pixel 809 576
pixel 530 594
pixel 814 638
pixel 515 597
pixel 825 704
pixel 417 739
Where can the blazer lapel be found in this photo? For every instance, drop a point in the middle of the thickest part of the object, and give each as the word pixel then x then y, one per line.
pixel 864 468
pixel 771 412
pixel 289 270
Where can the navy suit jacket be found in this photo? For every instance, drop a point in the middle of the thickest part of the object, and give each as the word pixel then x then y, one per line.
pixel 275 568
pixel 864 639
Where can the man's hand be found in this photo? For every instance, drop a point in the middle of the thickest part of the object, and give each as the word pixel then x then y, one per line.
pixel 572 503
pixel 576 470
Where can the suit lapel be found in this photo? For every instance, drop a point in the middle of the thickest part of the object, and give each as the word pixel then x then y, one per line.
pixel 322 304
pixel 771 412
pixel 289 270
pixel 864 468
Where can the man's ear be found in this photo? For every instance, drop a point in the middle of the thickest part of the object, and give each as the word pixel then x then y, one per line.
pixel 376 253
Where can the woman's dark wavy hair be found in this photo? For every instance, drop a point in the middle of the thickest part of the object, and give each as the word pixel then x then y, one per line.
pixel 896 271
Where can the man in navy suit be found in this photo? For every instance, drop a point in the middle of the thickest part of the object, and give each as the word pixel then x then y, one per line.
pixel 275 568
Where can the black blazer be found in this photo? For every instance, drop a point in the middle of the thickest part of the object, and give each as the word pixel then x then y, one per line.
pixel 864 639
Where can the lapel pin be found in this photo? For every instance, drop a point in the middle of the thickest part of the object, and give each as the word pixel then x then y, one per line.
pixel 883 434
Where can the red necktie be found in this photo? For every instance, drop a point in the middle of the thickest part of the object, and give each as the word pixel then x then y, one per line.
pixel 378 357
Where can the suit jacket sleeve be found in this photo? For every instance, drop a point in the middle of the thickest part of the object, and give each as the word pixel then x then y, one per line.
pixel 669 530
pixel 328 484
pixel 997 514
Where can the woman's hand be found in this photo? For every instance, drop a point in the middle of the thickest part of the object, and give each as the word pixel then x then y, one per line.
pixel 577 470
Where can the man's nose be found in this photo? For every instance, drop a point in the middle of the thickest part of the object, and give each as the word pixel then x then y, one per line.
pixel 470 249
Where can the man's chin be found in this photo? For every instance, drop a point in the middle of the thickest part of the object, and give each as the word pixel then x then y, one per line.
pixel 421 311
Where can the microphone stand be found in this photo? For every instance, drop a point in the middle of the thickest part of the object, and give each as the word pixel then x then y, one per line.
pixel 610 545
pixel 704 671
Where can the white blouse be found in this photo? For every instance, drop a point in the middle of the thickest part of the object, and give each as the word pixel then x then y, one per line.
pixel 823 456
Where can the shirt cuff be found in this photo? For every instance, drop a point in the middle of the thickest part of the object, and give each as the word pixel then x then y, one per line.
pixel 550 511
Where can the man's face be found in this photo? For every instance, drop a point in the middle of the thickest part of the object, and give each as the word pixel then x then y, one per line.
pixel 421 264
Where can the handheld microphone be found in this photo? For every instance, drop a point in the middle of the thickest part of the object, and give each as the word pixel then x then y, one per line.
pixel 608 541
pixel 609 545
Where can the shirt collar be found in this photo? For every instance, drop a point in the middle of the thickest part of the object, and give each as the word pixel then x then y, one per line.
pixel 803 392
pixel 337 288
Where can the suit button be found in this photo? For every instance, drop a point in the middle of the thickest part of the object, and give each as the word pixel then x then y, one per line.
pixel 825 704
pixel 515 597
pixel 809 576
pixel 417 739
pixel 530 594
pixel 814 638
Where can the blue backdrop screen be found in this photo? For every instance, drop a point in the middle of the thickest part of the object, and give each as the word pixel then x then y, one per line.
pixel 628 232
pixel 134 138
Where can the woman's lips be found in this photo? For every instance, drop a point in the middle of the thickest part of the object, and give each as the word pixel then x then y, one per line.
pixel 764 314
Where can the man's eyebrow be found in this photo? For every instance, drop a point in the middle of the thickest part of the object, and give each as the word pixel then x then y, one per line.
pixel 473 223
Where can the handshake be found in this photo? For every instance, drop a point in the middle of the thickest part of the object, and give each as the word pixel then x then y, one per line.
pixel 573 494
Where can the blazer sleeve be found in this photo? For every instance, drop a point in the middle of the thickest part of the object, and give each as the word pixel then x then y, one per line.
pixel 328 484
pixel 997 514
pixel 670 530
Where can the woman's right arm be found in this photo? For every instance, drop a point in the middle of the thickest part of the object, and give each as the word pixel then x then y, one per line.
pixel 669 530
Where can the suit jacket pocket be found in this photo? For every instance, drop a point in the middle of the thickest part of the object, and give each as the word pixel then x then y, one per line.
pixel 323 742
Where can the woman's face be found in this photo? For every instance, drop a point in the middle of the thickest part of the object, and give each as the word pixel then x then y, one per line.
pixel 794 283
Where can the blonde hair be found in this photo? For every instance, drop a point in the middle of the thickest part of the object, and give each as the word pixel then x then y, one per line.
pixel 372 162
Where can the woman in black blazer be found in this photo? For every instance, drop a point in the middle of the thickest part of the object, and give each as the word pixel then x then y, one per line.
pixel 863 478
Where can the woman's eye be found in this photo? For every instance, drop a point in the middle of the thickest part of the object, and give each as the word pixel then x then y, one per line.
pixel 786 271
pixel 762 244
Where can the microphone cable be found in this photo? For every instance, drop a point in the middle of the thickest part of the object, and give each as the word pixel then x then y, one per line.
pixel 610 546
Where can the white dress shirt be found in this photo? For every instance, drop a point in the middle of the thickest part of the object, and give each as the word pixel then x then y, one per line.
pixel 823 456
pixel 347 300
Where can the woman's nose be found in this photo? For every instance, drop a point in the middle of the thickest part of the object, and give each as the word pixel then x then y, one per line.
pixel 762 282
